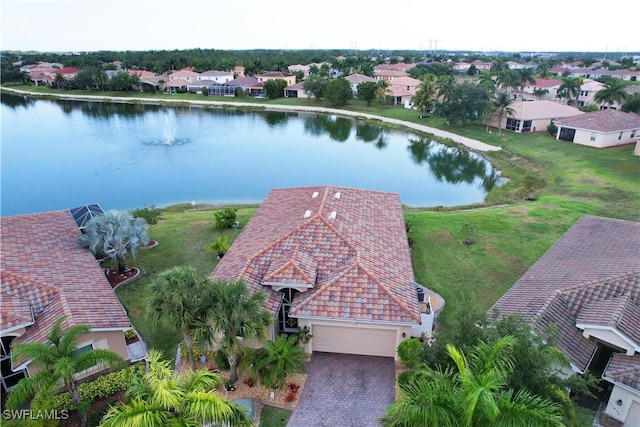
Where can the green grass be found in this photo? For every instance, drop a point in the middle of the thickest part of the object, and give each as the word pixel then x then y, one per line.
pixel 270 416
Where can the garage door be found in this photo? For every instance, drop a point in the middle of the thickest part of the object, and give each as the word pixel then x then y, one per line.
pixel 336 339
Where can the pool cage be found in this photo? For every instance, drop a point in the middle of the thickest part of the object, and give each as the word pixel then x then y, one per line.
pixel 222 89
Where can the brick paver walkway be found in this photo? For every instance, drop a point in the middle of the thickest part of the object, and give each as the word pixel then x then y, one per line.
pixel 345 390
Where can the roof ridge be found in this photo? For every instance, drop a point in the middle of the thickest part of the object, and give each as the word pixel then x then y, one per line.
pixel 321 289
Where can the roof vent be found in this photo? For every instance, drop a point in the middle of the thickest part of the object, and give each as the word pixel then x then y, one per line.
pixel 337 195
pixel 332 215
pixel 314 195
pixel 307 214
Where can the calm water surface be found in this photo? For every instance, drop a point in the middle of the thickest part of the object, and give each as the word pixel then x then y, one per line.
pixel 63 154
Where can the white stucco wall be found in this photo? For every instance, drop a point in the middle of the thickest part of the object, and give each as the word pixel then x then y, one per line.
pixel 628 411
pixel 602 140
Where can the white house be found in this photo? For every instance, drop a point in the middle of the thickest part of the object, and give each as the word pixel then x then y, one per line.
pixel 601 129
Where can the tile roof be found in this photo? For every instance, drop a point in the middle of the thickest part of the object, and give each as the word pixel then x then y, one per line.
pixel 405 81
pixel 349 246
pixel 608 120
pixel 591 275
pixel 42 266
pixel 532 110
pixel 276 74
pixel 546 83
pixel 359 78
pixel 625 370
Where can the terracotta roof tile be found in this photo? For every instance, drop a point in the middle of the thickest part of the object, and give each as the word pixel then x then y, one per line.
pixel 42 266
pixel 624 369
pixel 603 121
pixel 354 239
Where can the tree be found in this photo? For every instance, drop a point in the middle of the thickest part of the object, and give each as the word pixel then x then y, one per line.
pixel 612 92
pixel 524 76
pixel 367 92
pixel 472 394
pixel 571 87
pixel 338 92
pixel 467 102
pixel 315 85
pixel 114 234
pixel 274 88
pixel 235 313
pixel 446 85
pixel 225 218
pixel 501 107
pixel 280 358
pixel 174 302
pixel 381 91
pixel 486 80
pixel 61 82
pixel 162 398
pixel 60 362
pixel 540 93
pixel 425 97
pixel 632 105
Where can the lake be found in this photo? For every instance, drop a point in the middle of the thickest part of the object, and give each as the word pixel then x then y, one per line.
pixel 64 154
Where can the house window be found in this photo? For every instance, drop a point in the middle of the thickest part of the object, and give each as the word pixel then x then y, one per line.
pixel 512 124
pixel 9 378
pixel 82 350
pixel 526 126
pixel 620 136
pixel 593 136
pixel 633 133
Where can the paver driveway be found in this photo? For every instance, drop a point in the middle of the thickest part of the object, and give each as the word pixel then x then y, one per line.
pixel 344 390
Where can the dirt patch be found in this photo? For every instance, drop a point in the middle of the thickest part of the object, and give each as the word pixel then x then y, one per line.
pixel 116 279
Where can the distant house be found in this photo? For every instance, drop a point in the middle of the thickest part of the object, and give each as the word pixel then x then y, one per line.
pixel 184 76
pixel 295 91
pixel 141 73
pixel 299 67
pixel 389 75
pixel 321 254
pixel 46 275
pixel 550 85
pixel 588 285
pixel 246 83
pixel 534 116
pixel 274 75
pixel 355 79
pixel 216 76
pixel 601 129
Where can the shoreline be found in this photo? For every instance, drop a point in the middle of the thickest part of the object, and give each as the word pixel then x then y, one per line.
pixel 467 142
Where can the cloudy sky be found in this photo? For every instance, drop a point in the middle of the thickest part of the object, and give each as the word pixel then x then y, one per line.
pixel 545 25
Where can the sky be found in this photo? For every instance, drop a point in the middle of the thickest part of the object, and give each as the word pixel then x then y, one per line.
pixel 489 25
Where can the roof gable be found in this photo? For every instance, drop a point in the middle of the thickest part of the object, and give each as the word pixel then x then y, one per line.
pixel 608 120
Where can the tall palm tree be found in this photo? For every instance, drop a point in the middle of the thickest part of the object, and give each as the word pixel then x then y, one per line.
pixel 174 303
pixel 61 82
pixel 571 87
pixel 60 362
pixel 425 96
pixel 524 76
pixel 612 92
pixel 501 107
pixel 485 79
pixel 161 398
pixel 472 395
pixel 114 234
pixel 381 92
pixel 236 313
pixel 632 105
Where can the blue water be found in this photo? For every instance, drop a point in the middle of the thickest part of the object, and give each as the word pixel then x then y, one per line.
pixel 59 155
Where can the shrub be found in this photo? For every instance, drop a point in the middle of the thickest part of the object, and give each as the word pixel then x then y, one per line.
pixel 220 246
pixel 291 396
pixel 552 129
pixel 221 360
pixel 151 214
pixel 225 218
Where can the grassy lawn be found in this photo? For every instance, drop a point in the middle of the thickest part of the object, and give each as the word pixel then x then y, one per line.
pixel 270 416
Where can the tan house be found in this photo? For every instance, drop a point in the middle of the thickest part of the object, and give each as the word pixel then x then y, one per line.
pixel 389 75
pixel 45 276
pixel 534 116
pixel 335 260
pixel 601 129
pixel 273 75
pixel 296 91
pixel 588 286
pixel 355 79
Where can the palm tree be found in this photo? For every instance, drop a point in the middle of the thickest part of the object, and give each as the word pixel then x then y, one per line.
pixel 446 83
pixel 571 87
pixel 59 361
pixel 381 92
pixel 472 395
pixel 61 82
pixel 633 104
pixel 501 107
pixel 485 79
pixel 236 313
pixel 114 234
pixel 174 303
pixel 612 92
pixel 524 76
pixel 160 398
pixel 280 357
pixel 424 98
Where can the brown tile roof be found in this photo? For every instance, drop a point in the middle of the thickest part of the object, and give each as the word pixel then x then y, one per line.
pixel 623 369
pixel 276 74
pixel 405 81
pixel 349 244
pixel 591 274
pixel 545 83
pixel 390 73
pixel 359 78
pixel 42 266
pixel 603 121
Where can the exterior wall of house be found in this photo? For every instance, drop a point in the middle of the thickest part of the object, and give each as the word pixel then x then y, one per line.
pixel 291 80
pixel 108 340
pixel 397 331
pixel 538 125
pixel 624 405
pixel 603 140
